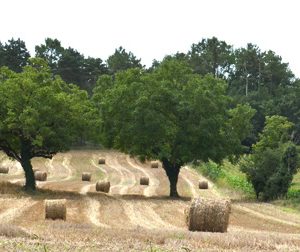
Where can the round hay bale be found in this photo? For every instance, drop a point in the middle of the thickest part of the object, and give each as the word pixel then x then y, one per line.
pixel 144 181
pixel 103 186
pixel 86 176
pixel 154 164
pixel 208 215
pixel 55 209
pixel 101 161
pixel 4 170
pixel 203 184
pixel 40 175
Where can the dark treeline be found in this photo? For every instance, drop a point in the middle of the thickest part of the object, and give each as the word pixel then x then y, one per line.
pixel 70 64
pixel 256 77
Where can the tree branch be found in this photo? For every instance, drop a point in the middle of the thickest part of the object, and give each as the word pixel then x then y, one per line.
pixel 43 153
pixel 4 146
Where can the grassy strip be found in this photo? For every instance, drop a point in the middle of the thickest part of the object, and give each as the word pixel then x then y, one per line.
pixel 227 176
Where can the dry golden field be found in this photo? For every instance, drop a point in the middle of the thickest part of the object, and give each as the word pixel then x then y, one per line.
pixel 131 217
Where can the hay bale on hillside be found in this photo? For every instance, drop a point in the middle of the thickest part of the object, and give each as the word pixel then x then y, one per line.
pixel 86 176
pixel 40 175
pixel 103 186
pixel 154 164
pixel 101 161
pixel 4 170
pixel 144 181
pixel 55 209
pixel 208 215
pixel 203 184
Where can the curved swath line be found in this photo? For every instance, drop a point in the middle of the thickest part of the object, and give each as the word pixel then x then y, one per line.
pixel 122 178
pixel 155 216
pixel 93 213
pixel 273 211
pixel 12 213
pixel 66 164
pixel 49 165
pixel 12 164
pixel 264 216
pixel 132 178
pixel 147 218
pixel 136 217
pixel 98 167
pixel 153 183
pixel 84 190
pixel 246 209
pixel 93 207
pixel 191 185
pixel 211 185
pixel 195 174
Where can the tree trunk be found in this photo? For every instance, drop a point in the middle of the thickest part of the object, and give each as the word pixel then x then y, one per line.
pixel 27 167
pixel 172 171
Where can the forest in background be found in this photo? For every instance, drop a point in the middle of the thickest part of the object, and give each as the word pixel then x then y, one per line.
pixel 257 77
pixel 254 80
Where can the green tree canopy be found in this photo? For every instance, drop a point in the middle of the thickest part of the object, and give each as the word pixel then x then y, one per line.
pixel 71 65
pixel 14 55
pixel 212 56
pixel 51 51
pixel 274 161
pixel 172 115
pixel 122 60
pixel 40 115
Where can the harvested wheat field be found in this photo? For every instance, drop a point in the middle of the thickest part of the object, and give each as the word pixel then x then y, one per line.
pixel 128 216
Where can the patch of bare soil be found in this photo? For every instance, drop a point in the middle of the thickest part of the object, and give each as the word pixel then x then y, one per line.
pixel 154 183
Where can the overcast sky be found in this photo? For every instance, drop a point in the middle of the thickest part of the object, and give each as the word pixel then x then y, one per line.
pixel 153 28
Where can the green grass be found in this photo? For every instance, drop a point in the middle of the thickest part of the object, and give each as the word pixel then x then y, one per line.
pixel 227 175
pixel 235 179
pixel 292 200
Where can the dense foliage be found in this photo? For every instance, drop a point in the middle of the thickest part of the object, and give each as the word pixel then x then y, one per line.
pixel 172 115
pixel 39 114
pixel 189 106
pixel 274 161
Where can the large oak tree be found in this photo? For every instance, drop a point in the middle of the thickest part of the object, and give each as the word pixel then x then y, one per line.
pixel 40 115
pixel 170 114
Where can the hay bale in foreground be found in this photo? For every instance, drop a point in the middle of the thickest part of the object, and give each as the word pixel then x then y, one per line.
pixel 4 170
pixel 154 164
pixel 203 184
pixel 103 186
pixel 40 175
pixel 208 215
pixel 144 181
pixel 86 176
pixel 101 161
pixel 55 209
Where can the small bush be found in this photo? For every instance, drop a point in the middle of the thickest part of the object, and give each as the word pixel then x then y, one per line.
pixel 239 183
pixel 271 171
pixel 211 170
